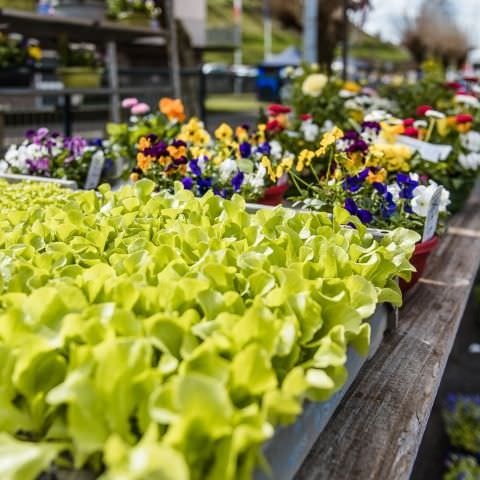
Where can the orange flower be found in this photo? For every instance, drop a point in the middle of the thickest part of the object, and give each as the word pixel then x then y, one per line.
pixel 164 161
pixel 134 177
pixel 172 109
pixel 378 177
pixel 144 143
pixel 464 127
pixel 144 161
pixel 177 152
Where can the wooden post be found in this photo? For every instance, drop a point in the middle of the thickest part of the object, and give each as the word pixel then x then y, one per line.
pixel 113 83
pixel 174 59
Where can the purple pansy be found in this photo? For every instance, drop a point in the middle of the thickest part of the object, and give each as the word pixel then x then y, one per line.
pixel 237 181
pixel 245 149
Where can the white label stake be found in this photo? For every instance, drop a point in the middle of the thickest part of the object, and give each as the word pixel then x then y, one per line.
pixel 431 220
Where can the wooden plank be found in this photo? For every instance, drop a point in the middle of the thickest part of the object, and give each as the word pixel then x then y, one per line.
pixel 377 430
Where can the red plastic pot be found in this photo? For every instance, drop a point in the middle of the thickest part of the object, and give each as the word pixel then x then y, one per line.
pixel 419 261
pixel 274 195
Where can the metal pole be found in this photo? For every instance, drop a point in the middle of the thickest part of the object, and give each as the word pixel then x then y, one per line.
pixel 174 59
pixel 67 115
pixel 267 30
pixel 237 18
pixel 112 62
pixel 310 27
pixel 345 41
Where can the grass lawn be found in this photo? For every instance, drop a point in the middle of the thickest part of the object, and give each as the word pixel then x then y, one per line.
pixel 244 102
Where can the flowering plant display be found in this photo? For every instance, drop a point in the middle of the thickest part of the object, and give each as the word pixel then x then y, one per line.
pixel 370 180
pixel 79 55
pixel 158 336
pixel 16 51
pixel 120 9
pixel 165 124
pixel 232 162
pixel 48 154
pixel 464 467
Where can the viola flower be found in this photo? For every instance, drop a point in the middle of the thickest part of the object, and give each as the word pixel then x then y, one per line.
pixel 408 122
pixel 358 146
pixel 264 148
pixel 365 216
pixel 305 117
pixel 204 184
pixel 245 149
pixel 224 133
pixel 237 181
pixel 129 102
pixel 187 183
pixel 274 126
pixel 194 168
pixel 464 118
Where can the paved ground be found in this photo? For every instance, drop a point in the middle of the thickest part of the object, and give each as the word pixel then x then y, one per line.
pixel 462 375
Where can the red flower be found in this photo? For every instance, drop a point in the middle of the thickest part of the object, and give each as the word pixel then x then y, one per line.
pixel 306 116
pixel 411 132
pixel 453 85
pixel 464 118
pixel 277 109
pixel 423 109
pixel 274 126
pixel 408 122
pixel 472 79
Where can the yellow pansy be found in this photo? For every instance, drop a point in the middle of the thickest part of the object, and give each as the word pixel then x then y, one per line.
pixel 224 132
pixel 389 132
pixel 379 177
pixel 352 87
pixel 35 52
pixel 329 138
pixel 144 143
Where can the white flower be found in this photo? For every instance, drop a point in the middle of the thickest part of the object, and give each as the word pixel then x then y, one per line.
pixel 469 100
pixel 394 189
pixel 227 168
pixel 256 181
pixel 327 126
pixel 202 163
pixel 346 94
pixel 470 161
pixel 377 116
pixel 420 124
pixel 298 72
pixel 314 84
pixel 3 166
pixel 434 114
pixel 276 149
pixel 422 198
pixel 352 104
pixel 471 141
pixel 310 130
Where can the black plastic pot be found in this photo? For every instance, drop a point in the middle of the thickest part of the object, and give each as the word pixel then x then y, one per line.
pixel 19 77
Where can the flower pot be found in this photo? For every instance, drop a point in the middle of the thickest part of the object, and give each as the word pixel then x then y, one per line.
pixel 274 195
pixel 80 77
pixel 15 77
pixel 86 9
pixel 136 19
pixel 419 260
pixel 29 5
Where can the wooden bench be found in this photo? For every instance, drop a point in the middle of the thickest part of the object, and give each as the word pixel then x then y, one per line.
pixel 377 430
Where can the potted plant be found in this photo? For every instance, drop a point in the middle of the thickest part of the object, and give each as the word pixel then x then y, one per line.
pixel 87 9
pixel 17 57
pixel 80 65
pixel 48 154
pixel 134 12
pixel 28 5
pixel 372 182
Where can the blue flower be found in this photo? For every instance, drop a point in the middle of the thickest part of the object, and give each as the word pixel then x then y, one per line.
pixel 237 181
pixel 354 183
pixel 379 187
pixel 187 183
pixel 264 148
pixel 351 206
pixel 245 149
pixel 365 216
pixel 204 184
pixel 194 168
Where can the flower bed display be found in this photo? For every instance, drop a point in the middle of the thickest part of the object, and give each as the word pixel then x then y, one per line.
pixel 165 335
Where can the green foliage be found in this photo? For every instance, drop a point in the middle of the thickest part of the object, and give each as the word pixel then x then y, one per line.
pixel 462 422
pixel 462 467
pixel 165 336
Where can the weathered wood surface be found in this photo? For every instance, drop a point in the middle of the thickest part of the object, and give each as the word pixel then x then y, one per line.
pixel 377 430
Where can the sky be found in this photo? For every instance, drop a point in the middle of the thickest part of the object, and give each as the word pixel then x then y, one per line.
pixel 387 15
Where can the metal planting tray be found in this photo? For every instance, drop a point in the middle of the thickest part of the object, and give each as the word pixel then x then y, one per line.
pixel 290 445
